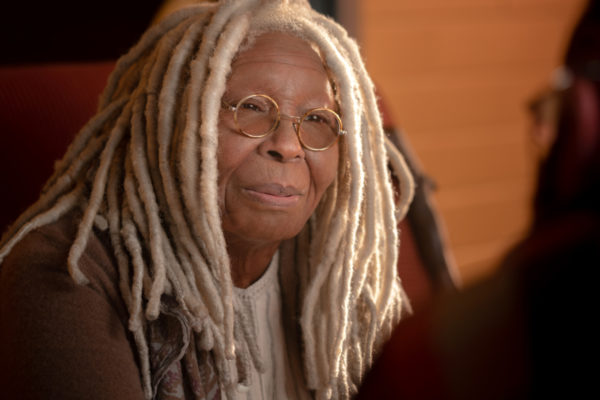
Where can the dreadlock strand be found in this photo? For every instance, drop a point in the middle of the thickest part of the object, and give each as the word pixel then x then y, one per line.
pixel 369 213
pixel 165 123
pixel 188 165
pixel 64 204
pixel 336 63
pixel 175 280
pixel 96 195
pixel 342 311
pixel 245 318
pixel 364 262
pixel 204 278
pixel 388 260
pixel 140 168
pixel 319 343
pixel 205 341
pixel 342 389
pixel 385 211
pixel 331 257
pixel 180 278
pixel 114 224
pixel 373 323
pixel 226 376
pixel 220 65
pixel 134 203
pixel 150 129
pixel 340 273
pixel 189 149
pixel 373 111
pixel 161 57
pixel 156 77
pixel 333 228
pixel 306 322
pixel 357 363
pixel 129 234
pixel 398 162
pixel 317 375
pixel 243 362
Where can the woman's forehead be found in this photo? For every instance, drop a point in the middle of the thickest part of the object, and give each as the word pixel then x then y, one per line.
pixel 280 48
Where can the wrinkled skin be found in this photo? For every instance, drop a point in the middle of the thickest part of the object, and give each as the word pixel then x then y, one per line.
pixel 269 187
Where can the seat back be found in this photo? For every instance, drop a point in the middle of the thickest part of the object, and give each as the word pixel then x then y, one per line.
pixel 42 107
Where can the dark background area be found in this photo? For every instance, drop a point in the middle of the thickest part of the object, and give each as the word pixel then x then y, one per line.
pixel 68 30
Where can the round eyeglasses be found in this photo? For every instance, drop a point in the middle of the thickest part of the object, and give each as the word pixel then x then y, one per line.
pixel 258 115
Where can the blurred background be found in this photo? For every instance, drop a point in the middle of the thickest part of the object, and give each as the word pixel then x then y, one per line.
pixel 455 75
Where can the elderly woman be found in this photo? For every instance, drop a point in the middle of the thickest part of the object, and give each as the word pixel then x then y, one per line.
pixel 224 227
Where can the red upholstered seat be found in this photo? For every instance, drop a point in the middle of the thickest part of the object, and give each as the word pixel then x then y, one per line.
pixel 42 107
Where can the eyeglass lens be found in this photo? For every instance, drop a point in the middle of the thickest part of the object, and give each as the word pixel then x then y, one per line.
pixel 256 116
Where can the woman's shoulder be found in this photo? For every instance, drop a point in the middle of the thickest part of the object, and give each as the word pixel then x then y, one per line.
pixel 40 259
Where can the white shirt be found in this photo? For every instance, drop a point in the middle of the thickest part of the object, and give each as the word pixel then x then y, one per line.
pixel 262 302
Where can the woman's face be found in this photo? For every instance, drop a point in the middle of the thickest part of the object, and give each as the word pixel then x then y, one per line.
pixel 269 187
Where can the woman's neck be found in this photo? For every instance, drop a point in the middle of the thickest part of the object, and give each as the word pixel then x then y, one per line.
pixel 249 261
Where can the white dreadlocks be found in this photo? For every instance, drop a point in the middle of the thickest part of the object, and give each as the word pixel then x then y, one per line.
pixel 145 169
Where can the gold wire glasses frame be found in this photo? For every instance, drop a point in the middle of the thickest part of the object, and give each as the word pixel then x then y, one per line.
pixel 258 115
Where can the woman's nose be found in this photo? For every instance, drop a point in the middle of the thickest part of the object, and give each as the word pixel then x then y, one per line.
pixel 283 143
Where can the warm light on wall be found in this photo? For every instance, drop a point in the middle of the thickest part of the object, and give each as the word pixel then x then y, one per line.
pixel 457 76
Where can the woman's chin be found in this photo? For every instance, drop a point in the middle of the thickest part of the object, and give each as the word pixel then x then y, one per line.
pixel 272 229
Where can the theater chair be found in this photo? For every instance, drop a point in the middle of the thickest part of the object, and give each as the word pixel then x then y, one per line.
pixel 43 106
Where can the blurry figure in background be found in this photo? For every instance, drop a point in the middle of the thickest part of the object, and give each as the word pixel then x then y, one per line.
pixel 529 330
pixel 544 110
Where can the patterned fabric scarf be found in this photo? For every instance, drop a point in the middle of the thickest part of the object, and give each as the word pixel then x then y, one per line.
pixel 179 370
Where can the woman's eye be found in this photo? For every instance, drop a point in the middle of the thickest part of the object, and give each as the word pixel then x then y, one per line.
pixel 316 118
pixel 250 107
pixel 255 106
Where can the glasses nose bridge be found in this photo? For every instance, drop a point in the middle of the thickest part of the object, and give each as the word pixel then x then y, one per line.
pixel 294 119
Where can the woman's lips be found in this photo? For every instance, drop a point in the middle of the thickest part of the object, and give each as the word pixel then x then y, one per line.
pixel 274 194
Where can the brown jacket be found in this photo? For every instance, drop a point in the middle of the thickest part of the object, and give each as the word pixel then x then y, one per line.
pixel 60 340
